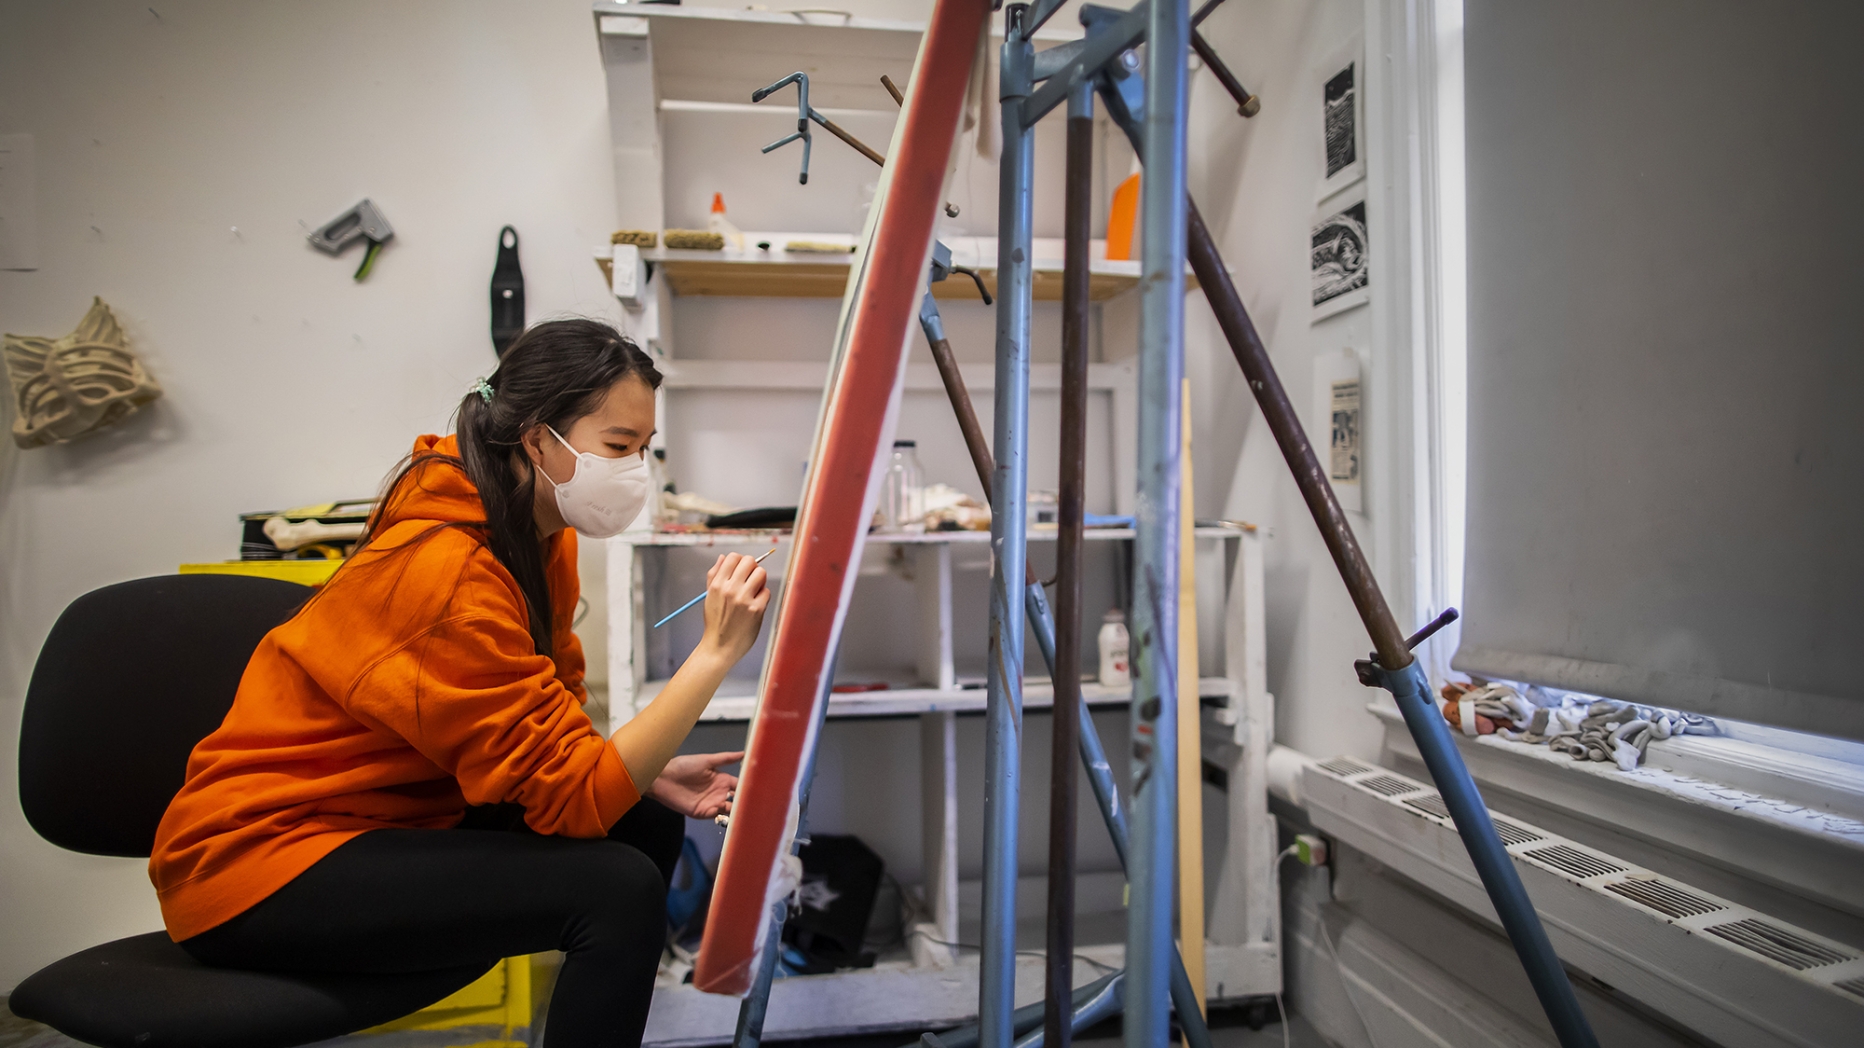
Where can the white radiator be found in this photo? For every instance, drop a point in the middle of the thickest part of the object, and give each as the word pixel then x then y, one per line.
pixel 1730 973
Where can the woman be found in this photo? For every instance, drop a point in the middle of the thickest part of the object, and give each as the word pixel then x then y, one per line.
pixel 340 819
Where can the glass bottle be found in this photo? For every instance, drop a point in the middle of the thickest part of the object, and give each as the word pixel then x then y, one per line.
pixel 902 491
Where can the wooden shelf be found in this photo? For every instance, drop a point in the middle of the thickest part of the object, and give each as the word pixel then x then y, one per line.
pixel 1038 694
pixel 762 537
pixel 777 273
pixel 752 278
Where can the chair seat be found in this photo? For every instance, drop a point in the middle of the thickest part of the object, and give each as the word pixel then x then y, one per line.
pixel 147 992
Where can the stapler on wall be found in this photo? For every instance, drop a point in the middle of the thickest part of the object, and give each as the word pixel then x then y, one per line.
pixel 362 222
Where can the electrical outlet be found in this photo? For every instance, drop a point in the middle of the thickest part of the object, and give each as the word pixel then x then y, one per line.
pixel 1310 850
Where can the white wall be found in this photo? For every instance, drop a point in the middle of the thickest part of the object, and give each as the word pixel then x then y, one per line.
pixel 285 382
pixel 288 383
pixel 1255 182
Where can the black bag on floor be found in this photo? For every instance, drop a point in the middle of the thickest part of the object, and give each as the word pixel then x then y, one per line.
pixel 841 877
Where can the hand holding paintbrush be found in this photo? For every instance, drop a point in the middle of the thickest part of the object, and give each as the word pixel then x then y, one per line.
pixel 677 611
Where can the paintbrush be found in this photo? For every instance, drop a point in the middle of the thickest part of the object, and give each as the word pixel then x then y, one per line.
pixel 700 597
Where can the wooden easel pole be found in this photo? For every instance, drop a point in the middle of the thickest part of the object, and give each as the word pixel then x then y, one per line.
pixel 1190 745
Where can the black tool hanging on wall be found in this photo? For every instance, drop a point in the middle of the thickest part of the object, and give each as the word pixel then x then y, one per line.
pixel 507 293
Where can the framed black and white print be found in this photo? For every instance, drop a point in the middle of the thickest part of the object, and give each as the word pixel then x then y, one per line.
pixel 1339 96
pixel 1339 91
pixel 1339 257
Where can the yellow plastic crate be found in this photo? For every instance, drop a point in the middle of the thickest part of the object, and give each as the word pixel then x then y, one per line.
pixel 302 572
pixel 498 1010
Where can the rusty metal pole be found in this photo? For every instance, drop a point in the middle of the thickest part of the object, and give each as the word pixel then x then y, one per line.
pixel 1396 670
pixel 1058 1029
pixel 1285 422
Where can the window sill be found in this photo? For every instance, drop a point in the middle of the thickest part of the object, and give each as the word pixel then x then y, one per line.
pixel 1692 811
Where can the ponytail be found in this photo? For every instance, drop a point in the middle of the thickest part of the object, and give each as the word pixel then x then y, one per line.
pixel 554 374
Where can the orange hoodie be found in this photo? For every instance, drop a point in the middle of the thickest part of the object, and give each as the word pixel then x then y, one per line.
pixel 406 690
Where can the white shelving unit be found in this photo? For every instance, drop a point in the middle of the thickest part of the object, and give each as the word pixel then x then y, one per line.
pixel 937 686
pixel 937 984
pixel 682 127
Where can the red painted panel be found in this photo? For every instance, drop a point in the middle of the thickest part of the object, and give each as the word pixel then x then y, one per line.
pixel 833 523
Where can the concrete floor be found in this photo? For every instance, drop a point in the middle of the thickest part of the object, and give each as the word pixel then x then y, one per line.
pixel 1228 1029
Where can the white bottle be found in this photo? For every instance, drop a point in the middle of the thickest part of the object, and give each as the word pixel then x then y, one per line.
pixel 718 223
pixel 1115 670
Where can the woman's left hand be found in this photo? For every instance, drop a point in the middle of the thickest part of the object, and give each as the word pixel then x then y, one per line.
pixel 693 786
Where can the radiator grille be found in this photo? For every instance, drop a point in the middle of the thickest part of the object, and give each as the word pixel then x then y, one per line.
pixel 1513 834
pixel 1389 785
pixel 1852 986
pixel 1573 861
pixel 1430 804
pixel 1343 766
pixel 1768 940
pixel 1664 898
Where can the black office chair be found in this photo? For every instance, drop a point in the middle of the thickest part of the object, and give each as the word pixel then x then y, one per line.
pixel 132 676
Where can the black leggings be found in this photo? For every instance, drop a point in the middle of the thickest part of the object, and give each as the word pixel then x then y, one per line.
pixel 393 901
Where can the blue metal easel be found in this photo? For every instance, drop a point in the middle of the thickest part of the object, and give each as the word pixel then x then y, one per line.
pixel 1106 63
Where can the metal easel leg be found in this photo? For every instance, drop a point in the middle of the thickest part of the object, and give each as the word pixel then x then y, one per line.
pixel 1042 623
pixel 750 1031
pixel 1392 667
pixel 1155 604
pixel 1058 1019
pixel 1004 713
pixel 751 1010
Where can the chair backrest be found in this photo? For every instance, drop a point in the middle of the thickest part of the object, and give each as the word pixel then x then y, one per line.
pixel 131 677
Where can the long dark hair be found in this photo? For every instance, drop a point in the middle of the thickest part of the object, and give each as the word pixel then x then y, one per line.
pixel 554 374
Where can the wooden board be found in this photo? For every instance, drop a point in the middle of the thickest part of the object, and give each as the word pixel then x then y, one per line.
pixel 880 309
pixel 753 279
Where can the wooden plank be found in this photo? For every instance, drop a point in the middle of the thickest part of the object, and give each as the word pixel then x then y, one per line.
pixel 756 279
pixel 1190 726
pixel 752 278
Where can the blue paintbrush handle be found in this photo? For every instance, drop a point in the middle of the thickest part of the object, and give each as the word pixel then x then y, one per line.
pixel 676 611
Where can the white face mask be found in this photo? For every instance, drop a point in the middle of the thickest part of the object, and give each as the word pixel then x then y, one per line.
pixel 604 495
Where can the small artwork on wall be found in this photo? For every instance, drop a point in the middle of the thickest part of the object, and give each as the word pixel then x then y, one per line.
pixel 1338 260
pixel 1341 121
pixel 1339 88
pixel 1339 422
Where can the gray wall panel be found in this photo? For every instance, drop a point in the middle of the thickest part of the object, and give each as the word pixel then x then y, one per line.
pixel 1666 273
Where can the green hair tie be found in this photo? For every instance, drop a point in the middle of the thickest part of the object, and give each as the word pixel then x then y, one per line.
pixel 484 389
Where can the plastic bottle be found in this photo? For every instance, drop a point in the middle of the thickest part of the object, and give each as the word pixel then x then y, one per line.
pixel 902 491
pixel 718 223
pixel 1115 670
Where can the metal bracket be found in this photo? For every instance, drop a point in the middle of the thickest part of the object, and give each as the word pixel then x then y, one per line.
pixel 803 115
pixel 1372 675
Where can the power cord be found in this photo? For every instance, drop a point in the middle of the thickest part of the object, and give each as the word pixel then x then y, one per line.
pixel 1312 851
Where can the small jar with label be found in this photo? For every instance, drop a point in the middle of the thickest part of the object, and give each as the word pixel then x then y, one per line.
pixel 1115 669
